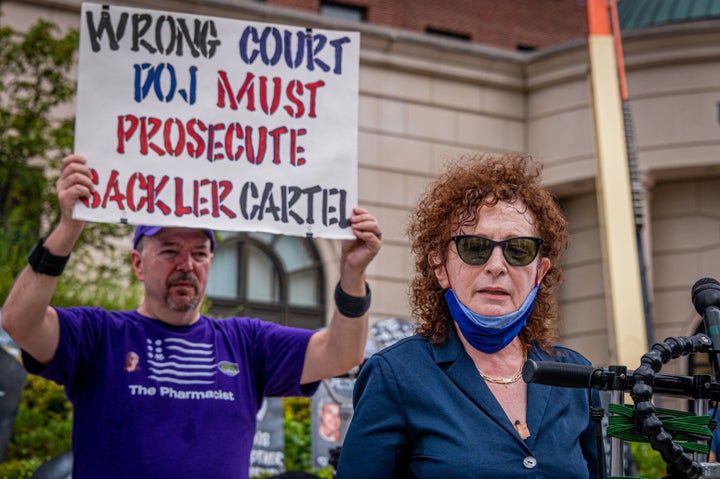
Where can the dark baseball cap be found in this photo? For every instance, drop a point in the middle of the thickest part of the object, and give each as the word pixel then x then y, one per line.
pixel 143 230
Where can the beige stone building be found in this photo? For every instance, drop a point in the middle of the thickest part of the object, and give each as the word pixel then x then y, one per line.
pixel 425 98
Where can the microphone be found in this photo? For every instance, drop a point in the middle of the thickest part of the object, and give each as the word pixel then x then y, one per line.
pixel 567 375
pixel 706 299
pixel 615 378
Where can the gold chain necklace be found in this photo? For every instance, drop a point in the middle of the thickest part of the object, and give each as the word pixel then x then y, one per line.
pixel 504 381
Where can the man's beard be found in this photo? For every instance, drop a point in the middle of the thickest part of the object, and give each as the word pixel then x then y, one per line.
pixel 182 303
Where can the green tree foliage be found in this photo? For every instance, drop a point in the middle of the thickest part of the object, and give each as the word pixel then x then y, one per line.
pixel 649 462
pixel 296 423
pixel 298 436
pixel 36 92
pixel 42 427
pixel 34 82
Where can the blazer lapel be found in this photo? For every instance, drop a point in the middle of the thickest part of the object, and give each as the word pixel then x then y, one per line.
pixel 537 402
pixel 452 358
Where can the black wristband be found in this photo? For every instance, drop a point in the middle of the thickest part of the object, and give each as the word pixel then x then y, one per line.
pixel 352 306
pixel 43 261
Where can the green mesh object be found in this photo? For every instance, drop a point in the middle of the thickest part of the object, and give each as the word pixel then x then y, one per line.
pixel 689 431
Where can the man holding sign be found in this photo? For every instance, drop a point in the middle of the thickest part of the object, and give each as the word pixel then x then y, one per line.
pixel 191 124
pixel 188 405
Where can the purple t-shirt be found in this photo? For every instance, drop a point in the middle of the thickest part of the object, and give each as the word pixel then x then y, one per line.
pixel 154 401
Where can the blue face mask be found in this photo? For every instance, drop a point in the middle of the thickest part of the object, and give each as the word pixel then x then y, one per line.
pixel 489 334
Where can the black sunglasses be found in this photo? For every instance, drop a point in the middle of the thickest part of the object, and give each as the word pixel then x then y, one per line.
pixel 476 250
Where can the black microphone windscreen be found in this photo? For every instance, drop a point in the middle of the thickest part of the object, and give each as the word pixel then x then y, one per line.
pixel 553 373
pixel 705 293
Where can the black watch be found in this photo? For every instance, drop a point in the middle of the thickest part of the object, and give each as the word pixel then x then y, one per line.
pixel 43 261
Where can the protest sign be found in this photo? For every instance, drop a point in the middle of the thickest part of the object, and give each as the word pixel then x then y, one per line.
pixel 327 419
pixel 389 331
pixel 268 451
pixel 190 120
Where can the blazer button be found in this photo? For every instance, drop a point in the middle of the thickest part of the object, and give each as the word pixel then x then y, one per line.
pixel 529 462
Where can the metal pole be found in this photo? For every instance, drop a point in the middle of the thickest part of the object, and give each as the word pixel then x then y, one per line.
pixel 626 325
pixel 635 183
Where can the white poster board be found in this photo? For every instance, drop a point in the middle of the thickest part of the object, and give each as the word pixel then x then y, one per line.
pixel 190 120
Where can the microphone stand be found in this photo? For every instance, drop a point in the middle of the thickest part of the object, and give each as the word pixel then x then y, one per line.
pixel 617 460
pixel 641 383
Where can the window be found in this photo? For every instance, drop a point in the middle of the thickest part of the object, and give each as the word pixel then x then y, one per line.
pixel 344 11
pixel 272 277
pixel 448 34
pixel 523 48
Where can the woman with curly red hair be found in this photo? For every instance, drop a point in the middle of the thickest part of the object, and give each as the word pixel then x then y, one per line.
pixel 449 401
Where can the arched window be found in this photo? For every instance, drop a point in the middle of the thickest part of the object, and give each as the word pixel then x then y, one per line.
pixel 272 277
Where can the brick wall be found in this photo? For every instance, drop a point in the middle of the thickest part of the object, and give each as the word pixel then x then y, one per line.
pixel 502 23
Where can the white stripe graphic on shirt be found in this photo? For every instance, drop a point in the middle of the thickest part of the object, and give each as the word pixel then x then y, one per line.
pixel 178 381
pixel 189 363
pixel 207 367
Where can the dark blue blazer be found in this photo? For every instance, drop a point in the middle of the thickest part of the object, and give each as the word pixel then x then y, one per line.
pixel 423 411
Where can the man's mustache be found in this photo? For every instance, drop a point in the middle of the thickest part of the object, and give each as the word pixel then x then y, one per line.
pixel 183 278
